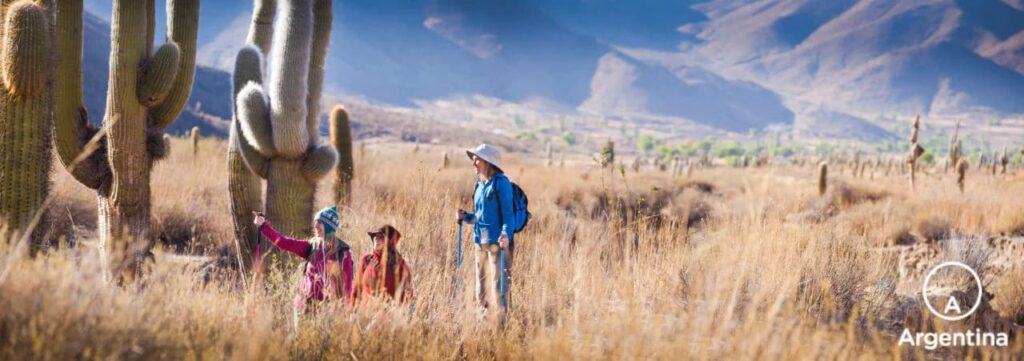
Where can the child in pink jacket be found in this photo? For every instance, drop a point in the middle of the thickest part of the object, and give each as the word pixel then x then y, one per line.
pixel 328 273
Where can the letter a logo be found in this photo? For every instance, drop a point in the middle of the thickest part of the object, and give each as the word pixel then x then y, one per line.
pixel 952 305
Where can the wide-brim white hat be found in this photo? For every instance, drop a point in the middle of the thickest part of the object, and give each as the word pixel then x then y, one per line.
pixel 488 153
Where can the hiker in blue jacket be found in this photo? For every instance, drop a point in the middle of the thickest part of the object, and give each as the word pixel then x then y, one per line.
pixel 492 224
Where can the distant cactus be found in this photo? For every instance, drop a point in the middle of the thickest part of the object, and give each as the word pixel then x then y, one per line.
pixel 995 162
pixel 915 150
pixel 822 178
pixel 955 148
pixel 194 135
pixel 25 107
pixel 341 139
pixel 961 173
pixel 549 156
pixel 1004 160
pixel 608 154
pixel 148 89
pixel 280 119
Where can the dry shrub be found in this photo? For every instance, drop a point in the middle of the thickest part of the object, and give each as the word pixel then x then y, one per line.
pixel 933 229
pixel 900 237
pixel 685 203
pixel 834 281
pixel 880 223
pixel 66 221
pixel 698 185
pixel 1009 295
pixel 184 231
pixel 839 197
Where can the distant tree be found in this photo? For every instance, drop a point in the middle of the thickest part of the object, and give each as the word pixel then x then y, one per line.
pixel 608 154
pixel 569 138
pixel 647 143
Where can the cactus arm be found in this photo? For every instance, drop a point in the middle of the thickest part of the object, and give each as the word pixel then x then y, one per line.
pixel 252 158
pixel 25 46
pixel 318 162
pixel 289 72
pixel 24 119
pixel 183 25
pixel 248 69
pixel 71 129
pixel 261 30
pixel 323 17
pixel 158 75
pixel 254 118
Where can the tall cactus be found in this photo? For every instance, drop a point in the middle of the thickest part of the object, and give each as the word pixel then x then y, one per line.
pixel 280 119
pixel 915 151
pixel 245 188
pixel 147 90
pixel 822 178
pixel 25 116
pixel 194 139
pixel 341 139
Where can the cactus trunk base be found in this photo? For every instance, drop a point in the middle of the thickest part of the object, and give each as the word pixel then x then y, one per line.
pixel 124 237
pixel 289 199
pixel 245 190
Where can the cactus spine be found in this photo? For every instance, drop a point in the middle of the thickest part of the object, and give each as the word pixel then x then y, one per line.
pixel 341 139
pixel 25 108
pixel 279 121
pixel 148 89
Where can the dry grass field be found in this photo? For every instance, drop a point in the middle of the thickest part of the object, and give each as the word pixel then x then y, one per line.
pixel 728 263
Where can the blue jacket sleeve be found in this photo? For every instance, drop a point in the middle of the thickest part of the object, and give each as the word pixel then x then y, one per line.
pixel 505 202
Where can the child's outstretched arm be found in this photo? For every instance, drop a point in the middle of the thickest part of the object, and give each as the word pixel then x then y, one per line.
pixel 296 246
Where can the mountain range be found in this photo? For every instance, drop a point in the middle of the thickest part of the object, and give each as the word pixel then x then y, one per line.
pixel 828 69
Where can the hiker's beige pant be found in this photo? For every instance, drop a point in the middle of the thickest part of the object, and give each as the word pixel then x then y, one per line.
pixel 487 273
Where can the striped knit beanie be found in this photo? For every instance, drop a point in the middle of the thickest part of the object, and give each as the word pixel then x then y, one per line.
pixel 329 218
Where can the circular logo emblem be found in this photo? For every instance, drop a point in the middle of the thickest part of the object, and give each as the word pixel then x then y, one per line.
pixel 952 304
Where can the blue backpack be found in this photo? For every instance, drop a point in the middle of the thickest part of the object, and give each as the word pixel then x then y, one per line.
pixel 520 208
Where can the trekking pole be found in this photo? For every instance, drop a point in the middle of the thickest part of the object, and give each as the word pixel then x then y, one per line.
pixel 458 248
pixel 458 262
pixel 501 282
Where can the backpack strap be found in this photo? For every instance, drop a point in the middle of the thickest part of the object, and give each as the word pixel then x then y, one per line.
pixel 342 248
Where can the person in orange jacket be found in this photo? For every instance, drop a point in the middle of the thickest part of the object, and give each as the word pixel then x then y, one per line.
pixel 383 271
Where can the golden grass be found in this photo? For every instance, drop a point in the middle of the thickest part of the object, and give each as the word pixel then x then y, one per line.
pixel 747 281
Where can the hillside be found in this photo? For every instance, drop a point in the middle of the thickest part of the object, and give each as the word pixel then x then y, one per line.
pixel 854 69
pixel 940 58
